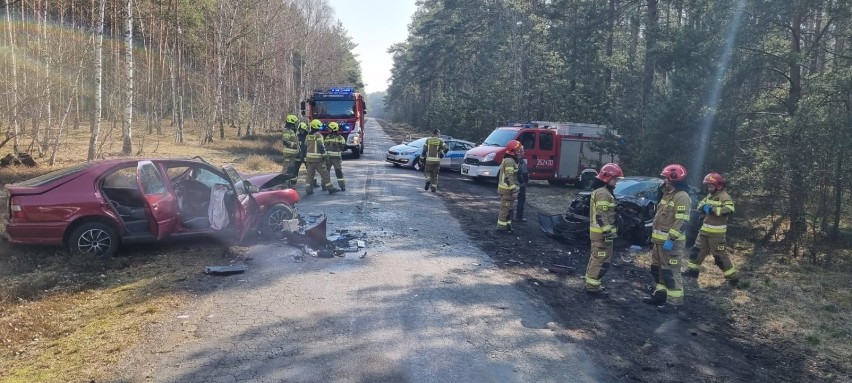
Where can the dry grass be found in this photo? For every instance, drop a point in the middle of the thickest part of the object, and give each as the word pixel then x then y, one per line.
pixel 68 319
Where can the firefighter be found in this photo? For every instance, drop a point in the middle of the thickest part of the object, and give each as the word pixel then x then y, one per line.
pixel 292 149
pixel 507 185
pixel 335 145
pixel 315 155
pixel 433 150
pixel 523 179
pixel 602 229
pixel 715 209
pixel 303 132
pixel 669 240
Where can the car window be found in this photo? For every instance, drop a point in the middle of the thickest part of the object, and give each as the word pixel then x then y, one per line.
pixel 418 143
pixel 209 178
pixel 527 139
pixel 124 178
pixel 545 141
pixel 177 172
pixel 150 179
pixel 44 179
pixel 456 146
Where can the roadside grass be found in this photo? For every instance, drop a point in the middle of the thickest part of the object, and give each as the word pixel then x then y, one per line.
pixel 68 318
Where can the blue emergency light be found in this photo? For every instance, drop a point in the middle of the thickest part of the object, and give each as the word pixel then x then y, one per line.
pixel 341 90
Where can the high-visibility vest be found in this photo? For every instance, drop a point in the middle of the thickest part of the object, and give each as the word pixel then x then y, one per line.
pixel 434 149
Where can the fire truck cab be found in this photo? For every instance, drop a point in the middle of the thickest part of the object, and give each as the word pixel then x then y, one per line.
pixel 559 152
pixel 341 105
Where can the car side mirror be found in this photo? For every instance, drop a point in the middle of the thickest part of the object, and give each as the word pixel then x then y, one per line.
pixel 249 187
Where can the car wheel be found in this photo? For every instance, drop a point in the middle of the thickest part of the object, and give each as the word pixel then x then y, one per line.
pixel 93 238
pixel 273 223
pixel 356 152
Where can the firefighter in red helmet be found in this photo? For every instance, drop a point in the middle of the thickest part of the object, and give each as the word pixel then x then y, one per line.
pixel 602 228
pixel 507 185
pixel 669 240
pixel 715 209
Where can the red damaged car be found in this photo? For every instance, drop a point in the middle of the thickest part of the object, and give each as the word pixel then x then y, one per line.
pixel 94 207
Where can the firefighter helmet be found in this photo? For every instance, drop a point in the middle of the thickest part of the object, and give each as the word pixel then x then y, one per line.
pixel 291 118
pixel 512 147
pixel 714 179
pixel 610 171
pixel 303 126
pixel 333 126
pixel 315 124
pixel 674 172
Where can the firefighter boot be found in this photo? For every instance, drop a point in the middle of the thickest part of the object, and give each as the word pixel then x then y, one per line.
pixel 657 299
pixel 691 273
pixel 332 190
pixel 428 183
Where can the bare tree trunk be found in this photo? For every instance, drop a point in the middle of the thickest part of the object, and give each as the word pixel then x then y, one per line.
pixel 14 117
pixel 650 55
pixel 798 194
pixel 127 144
pixel 99 81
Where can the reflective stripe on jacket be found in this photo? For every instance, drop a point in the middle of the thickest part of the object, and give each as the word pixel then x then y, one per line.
pixel 291 143
pixel 601 213
pixel 314 147
pixel 508 181
pixel 721 205
pixel 335 144
pixel 433 150
pixel 671 215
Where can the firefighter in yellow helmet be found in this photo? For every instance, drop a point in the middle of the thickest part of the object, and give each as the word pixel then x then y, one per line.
pixel 292 150
pixel 335 145
pixel 433 150
pixel 315 155
pixel 715 209
pixel 602 228
pixel 669 240
pixel 507 185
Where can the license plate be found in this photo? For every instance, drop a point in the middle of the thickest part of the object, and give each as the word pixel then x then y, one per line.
pixel 465 169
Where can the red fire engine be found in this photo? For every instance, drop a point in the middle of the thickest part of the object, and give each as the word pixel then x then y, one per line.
pixel 559 152
pixel 341 105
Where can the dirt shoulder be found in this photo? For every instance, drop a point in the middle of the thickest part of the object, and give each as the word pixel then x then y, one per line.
pixel 715 343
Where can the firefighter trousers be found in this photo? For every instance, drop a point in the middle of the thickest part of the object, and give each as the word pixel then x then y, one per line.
pixel 313 168
pixel 712 244
pixel 291 168
pixel 431 172
pixel 601 252
pixel 665 271
pixel 337 164
pixel 507 207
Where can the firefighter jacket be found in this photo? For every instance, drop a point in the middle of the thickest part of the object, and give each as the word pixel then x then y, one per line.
pixel 508 182
pixel 433 150
pixel 291 143
pixel 672 215
pixel 315 147
pixel 335 145
pixel 601 213
pixel 721 205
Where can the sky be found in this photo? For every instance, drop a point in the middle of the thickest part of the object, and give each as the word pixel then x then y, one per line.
pixel 375 25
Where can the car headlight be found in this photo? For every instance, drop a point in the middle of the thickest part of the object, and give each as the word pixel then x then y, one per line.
pixel 353 140
pixel 489 157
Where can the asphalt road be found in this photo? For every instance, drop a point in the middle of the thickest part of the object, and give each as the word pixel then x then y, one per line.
pixel 424 304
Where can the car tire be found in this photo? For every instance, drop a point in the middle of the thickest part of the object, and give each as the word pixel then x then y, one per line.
pixel 272 223
pixel 356 152
pixel 93 239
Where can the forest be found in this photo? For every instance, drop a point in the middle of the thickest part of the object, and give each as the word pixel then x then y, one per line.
pixel 137 67
pixel 759 90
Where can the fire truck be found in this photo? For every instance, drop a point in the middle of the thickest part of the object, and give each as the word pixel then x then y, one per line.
pixel 341 105
pixel 559 152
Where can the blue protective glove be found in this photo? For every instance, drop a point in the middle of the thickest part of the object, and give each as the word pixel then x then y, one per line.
pixel 668 245
pixel 707 209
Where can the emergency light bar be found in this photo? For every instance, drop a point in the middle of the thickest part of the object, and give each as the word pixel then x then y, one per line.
pixel 341 90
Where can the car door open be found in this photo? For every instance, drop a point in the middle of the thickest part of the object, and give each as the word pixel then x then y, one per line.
pixel 160 203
